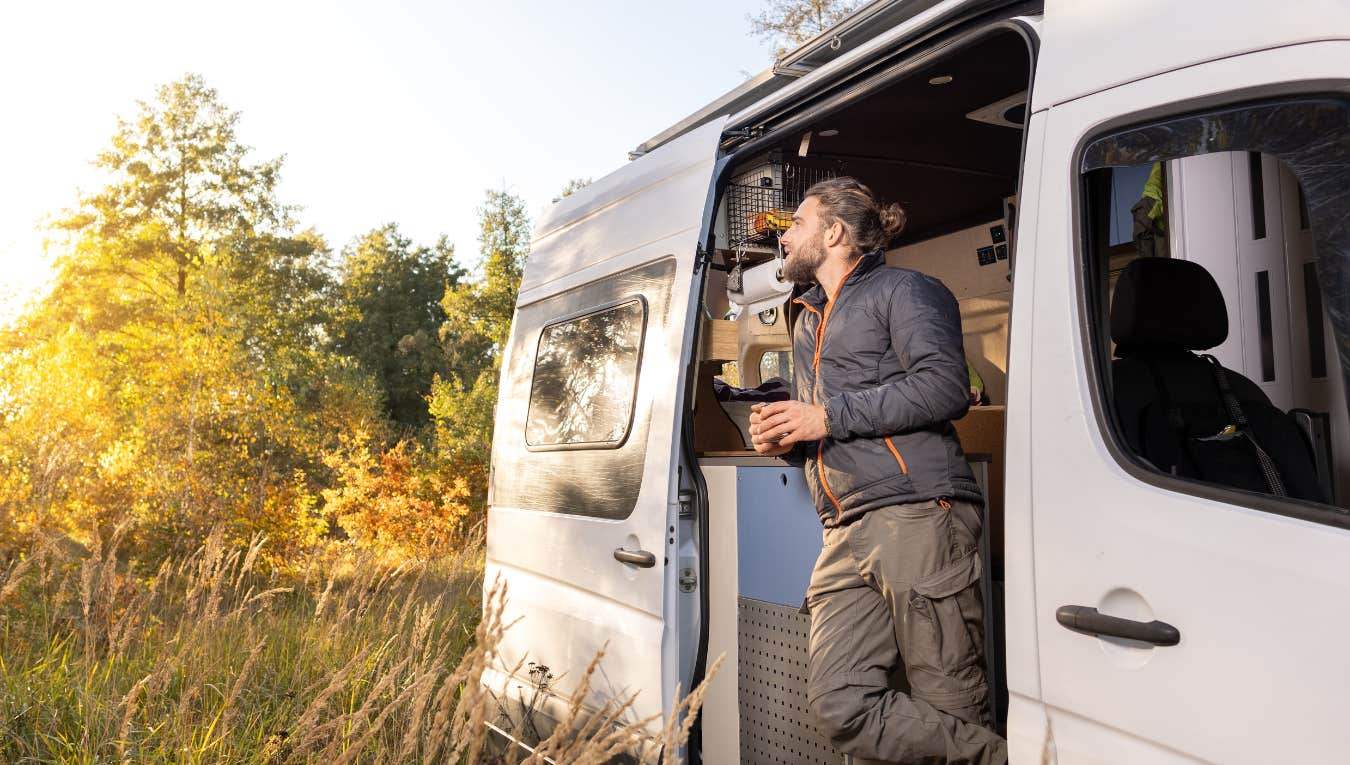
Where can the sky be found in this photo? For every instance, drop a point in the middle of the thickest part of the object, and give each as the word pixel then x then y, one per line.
pixel 402 112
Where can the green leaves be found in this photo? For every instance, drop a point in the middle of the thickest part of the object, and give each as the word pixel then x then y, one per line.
pixel 476 329
pixel 478 314
pixel 389 313
pixel 181 183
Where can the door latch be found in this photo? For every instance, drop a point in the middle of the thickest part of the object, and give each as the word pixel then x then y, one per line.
pixel 687 499
pixel 688 580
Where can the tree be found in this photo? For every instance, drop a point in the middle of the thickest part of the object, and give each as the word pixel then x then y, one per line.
pixel 176 375
pixel 572 187
pixel 478 314
pixel 476 329
pixel 181 183
pixel 389 313
pixel 789 23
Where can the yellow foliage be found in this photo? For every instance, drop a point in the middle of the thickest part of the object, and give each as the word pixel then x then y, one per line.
pixel 394 499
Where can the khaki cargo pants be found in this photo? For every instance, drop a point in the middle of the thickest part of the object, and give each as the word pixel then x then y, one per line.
pixel 901 584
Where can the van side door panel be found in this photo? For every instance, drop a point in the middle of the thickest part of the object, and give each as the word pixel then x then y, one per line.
pixel 1261 600
pixel 583 501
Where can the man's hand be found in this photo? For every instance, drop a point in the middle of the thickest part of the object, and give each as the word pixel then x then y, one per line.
pixel 776 427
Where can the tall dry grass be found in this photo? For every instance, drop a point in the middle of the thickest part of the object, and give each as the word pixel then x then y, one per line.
pixel 345 658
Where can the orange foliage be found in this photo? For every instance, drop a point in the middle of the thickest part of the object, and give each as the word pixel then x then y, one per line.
pixel 395 499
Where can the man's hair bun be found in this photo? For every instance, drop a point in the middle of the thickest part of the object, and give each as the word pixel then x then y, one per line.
pixel 893 219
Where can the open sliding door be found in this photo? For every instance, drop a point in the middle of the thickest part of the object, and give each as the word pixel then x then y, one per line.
pixel 583 500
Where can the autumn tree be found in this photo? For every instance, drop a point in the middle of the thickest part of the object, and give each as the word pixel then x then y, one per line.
pixel 176 375
pixel 788 23
pixel 389 315
pixel 477 327
pixel 180 184
pixel 418 495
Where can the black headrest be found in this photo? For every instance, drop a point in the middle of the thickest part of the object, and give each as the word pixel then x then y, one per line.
pixel 1163 303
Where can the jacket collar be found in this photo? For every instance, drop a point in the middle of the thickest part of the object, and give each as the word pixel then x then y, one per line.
pixel 816 297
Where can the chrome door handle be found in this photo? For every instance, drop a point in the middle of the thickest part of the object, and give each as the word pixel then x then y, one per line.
pixel 1090 621
pixel 639 558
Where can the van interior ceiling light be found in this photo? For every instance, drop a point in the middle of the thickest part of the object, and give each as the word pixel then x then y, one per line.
pixel 941 79
pixel 831 133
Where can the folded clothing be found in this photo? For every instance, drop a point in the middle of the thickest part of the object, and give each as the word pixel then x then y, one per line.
pixel 737 402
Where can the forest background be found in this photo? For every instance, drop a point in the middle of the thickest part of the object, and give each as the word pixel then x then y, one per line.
pixel 243 473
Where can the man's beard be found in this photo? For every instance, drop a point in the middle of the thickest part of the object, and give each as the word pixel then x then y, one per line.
pixel 801 264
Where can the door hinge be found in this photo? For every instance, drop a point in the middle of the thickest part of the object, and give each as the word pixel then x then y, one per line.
pixel 688 580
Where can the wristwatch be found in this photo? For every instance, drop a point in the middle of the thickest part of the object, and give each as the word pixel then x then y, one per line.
pixel 829 429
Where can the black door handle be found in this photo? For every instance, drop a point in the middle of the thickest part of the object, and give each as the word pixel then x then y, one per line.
pixel 1090 621
pixel 639 558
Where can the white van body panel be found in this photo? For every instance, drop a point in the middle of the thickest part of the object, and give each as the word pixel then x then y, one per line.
pixel 573 598
pixel 1026 718
pixel 721 706
pixel 600 228
pixel 1261 600
pixel 1089 46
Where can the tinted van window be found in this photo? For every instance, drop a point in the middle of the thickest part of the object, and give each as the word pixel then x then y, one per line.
pixel 1216 339
pixel 575 407
pixel 585 377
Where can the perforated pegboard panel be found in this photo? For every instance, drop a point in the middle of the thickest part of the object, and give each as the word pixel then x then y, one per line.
pixel 776 726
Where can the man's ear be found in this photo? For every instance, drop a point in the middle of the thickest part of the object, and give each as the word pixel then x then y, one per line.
pixel 834 235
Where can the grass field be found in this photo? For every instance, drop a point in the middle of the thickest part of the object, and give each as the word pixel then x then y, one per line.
pixel 341 657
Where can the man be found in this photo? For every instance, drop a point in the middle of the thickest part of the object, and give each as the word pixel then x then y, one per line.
pixel 880 372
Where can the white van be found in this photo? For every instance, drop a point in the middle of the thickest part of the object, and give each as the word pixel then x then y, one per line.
pixel 1138 615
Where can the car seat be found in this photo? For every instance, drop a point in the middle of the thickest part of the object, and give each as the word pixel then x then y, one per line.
pixel 1183 413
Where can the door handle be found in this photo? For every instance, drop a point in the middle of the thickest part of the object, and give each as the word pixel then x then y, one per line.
pixel 639 558
pixel 1090 621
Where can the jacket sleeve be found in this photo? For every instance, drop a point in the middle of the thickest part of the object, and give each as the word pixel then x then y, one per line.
pixel 797 457
pixel 925 329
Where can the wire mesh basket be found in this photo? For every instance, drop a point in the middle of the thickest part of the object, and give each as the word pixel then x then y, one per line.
pixel 760 202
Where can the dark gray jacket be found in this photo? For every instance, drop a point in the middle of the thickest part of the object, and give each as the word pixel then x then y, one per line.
pixel 886 360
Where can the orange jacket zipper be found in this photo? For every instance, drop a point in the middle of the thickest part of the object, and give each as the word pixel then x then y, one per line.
pixel 896 454
pixel 815 385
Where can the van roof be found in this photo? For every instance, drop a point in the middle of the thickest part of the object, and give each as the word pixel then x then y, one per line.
pixel 843 40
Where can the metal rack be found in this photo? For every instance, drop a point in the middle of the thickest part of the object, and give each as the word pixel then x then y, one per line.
pixel 760 201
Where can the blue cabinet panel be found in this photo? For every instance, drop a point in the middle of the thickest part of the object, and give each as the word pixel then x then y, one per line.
pixel 777 532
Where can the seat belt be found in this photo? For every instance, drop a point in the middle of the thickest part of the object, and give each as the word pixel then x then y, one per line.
pixel 1174 418
pixel 1268 469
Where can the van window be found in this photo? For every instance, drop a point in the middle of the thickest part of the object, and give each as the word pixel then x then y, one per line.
pixel 585 377
pixel 1136 207
pixel 730 374
pixel 574 411
pixel 775 364
pixel 1211 339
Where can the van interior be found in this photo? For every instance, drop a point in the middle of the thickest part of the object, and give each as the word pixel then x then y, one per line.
pixel 945 139
pixel 945 142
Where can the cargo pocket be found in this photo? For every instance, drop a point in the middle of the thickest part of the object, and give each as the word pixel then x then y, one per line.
pixel 944 626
